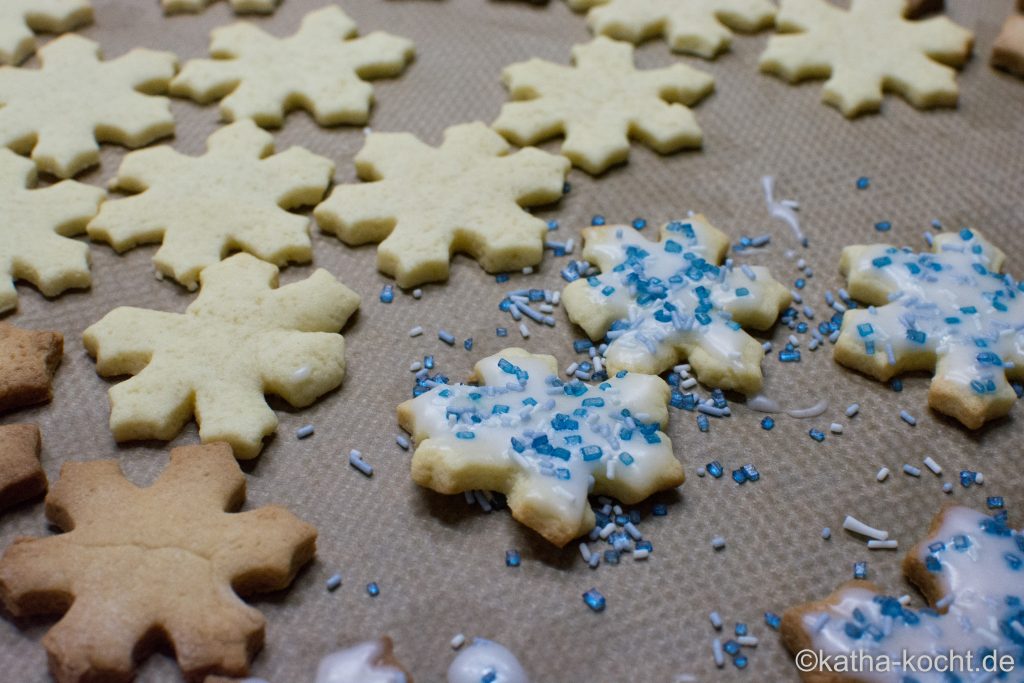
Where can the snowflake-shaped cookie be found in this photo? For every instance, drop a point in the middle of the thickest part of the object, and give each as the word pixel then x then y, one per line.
pixel 240 339
pixel 239 6
pixel 545 443
pixel 658 303
pixel 867 49
pixel 59 112
pixel 428 202
pixel 165 561
pixel 602 102
pixel 971 570
pixel 20 20
pixel 233 197
pixel 699 27
pixel 35 227
pixel 320 69
pixel 950 310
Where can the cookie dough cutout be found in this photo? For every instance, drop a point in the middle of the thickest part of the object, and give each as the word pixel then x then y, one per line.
pixel 58 113
pixel 20 20
pixel 914 9
pixel 28 362
pixel 698 27
pixel 240 339
pixel 601 103
pixel 166 561
pixel 970 569
pixel 950 311
pixel 539 440
pixel 660 303
pixel 425 203
pixel 321 69
pixel 372 661
pixel 238 6
pixel 866 50
pixel 35 227
pixel 1008 50
pixel 21 475
pixel 234 197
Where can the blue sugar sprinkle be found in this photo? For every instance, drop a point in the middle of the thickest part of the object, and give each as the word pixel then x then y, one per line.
pixel 863 183
pixel 896 384
pixel 994 502
pixel 741 629
pixel 597 220
pixel 639 223
pixel 860 570
pixel 731 647
pixel 715 469
pixel 767 423
pixel 373 589
pixel 817 435
pixel 566 187
pixel 739 476
pixel 702 422
pixel 659 510
pixel 773 620
pixel 501 278
pixel 512 558
pixel 501 331
pixel 883 226
pixel 468 344
pixel 740 662
pixel 594 600
pixel 387 295
pixel 552 224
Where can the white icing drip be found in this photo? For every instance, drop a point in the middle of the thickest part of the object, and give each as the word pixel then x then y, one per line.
pixel 485 657
pixel 358 664
pixel 811 411
pixel 979 587
pixel 783 210
pixel 763 404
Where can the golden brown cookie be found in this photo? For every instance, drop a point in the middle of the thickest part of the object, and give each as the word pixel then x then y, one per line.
pixel 140 566
pixel 918 8
pixel 28 361
pixel 1008 50
pixel 21 476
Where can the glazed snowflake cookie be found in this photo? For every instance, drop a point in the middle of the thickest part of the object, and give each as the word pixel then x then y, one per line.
pixel 59 111
pixel 35 231
pixel 970 569
pixel 950 310
pixel 545 443
pixel 657 303
pixel 600 103
pixel 372 661
pixel 321 69
pixel 699 27
pixel 236 196
pixel 425 203
pixel 240 339
pixel 20 20
pixel 867 49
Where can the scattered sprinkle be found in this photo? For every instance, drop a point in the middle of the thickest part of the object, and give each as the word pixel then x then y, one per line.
pixel 594 600
pixel 355 458
pixel 333 582
pixel 908 418
pixel 373 589
pixel 304 431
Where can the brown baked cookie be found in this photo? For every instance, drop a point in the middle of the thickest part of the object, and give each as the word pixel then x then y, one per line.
pixel 1008 50
pixel 21 476
pixel 140 566
pixel 28 360
pixel 371 660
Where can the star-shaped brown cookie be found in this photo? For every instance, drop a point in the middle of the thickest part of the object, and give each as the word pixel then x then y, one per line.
pixel 21 476
pixel 28 361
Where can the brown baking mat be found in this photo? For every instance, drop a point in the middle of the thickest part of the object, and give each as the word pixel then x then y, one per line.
pixel 439 563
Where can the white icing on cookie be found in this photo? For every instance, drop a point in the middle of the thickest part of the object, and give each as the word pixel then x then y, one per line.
pixel 358 664
pixel 486 662
pixel 979 563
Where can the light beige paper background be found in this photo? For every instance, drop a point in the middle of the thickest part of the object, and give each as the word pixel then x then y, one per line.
pixel 440 564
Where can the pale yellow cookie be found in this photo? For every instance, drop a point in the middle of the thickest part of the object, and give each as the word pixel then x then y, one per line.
pixel 34 230
pixel 950 311
pixel 235 197
pixel 425 203
pixel 20 20
pixel 240 339
pixel 866 50
pixel 59 112
pixel 699 27
pixel 321 69
pixel 239 6
pixel 658 303
pixel 540 441
pixel 601 103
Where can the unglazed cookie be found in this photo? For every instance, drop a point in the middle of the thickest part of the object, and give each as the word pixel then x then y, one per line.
pixel 658 303
pixel 370 662
pixel 699 27
pixel 321 69
pixel 1008 50
pixel 20 20
pixel 425 203
pixel 950 310
pixel 21 475
pixel 867 49
pixel 600 103
pixel 240 339
pixel 236 196
pixel 165 561
pixel 545 443
pixel 59 112
pixel 34 230
pixel 28 362
pixel 970 568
